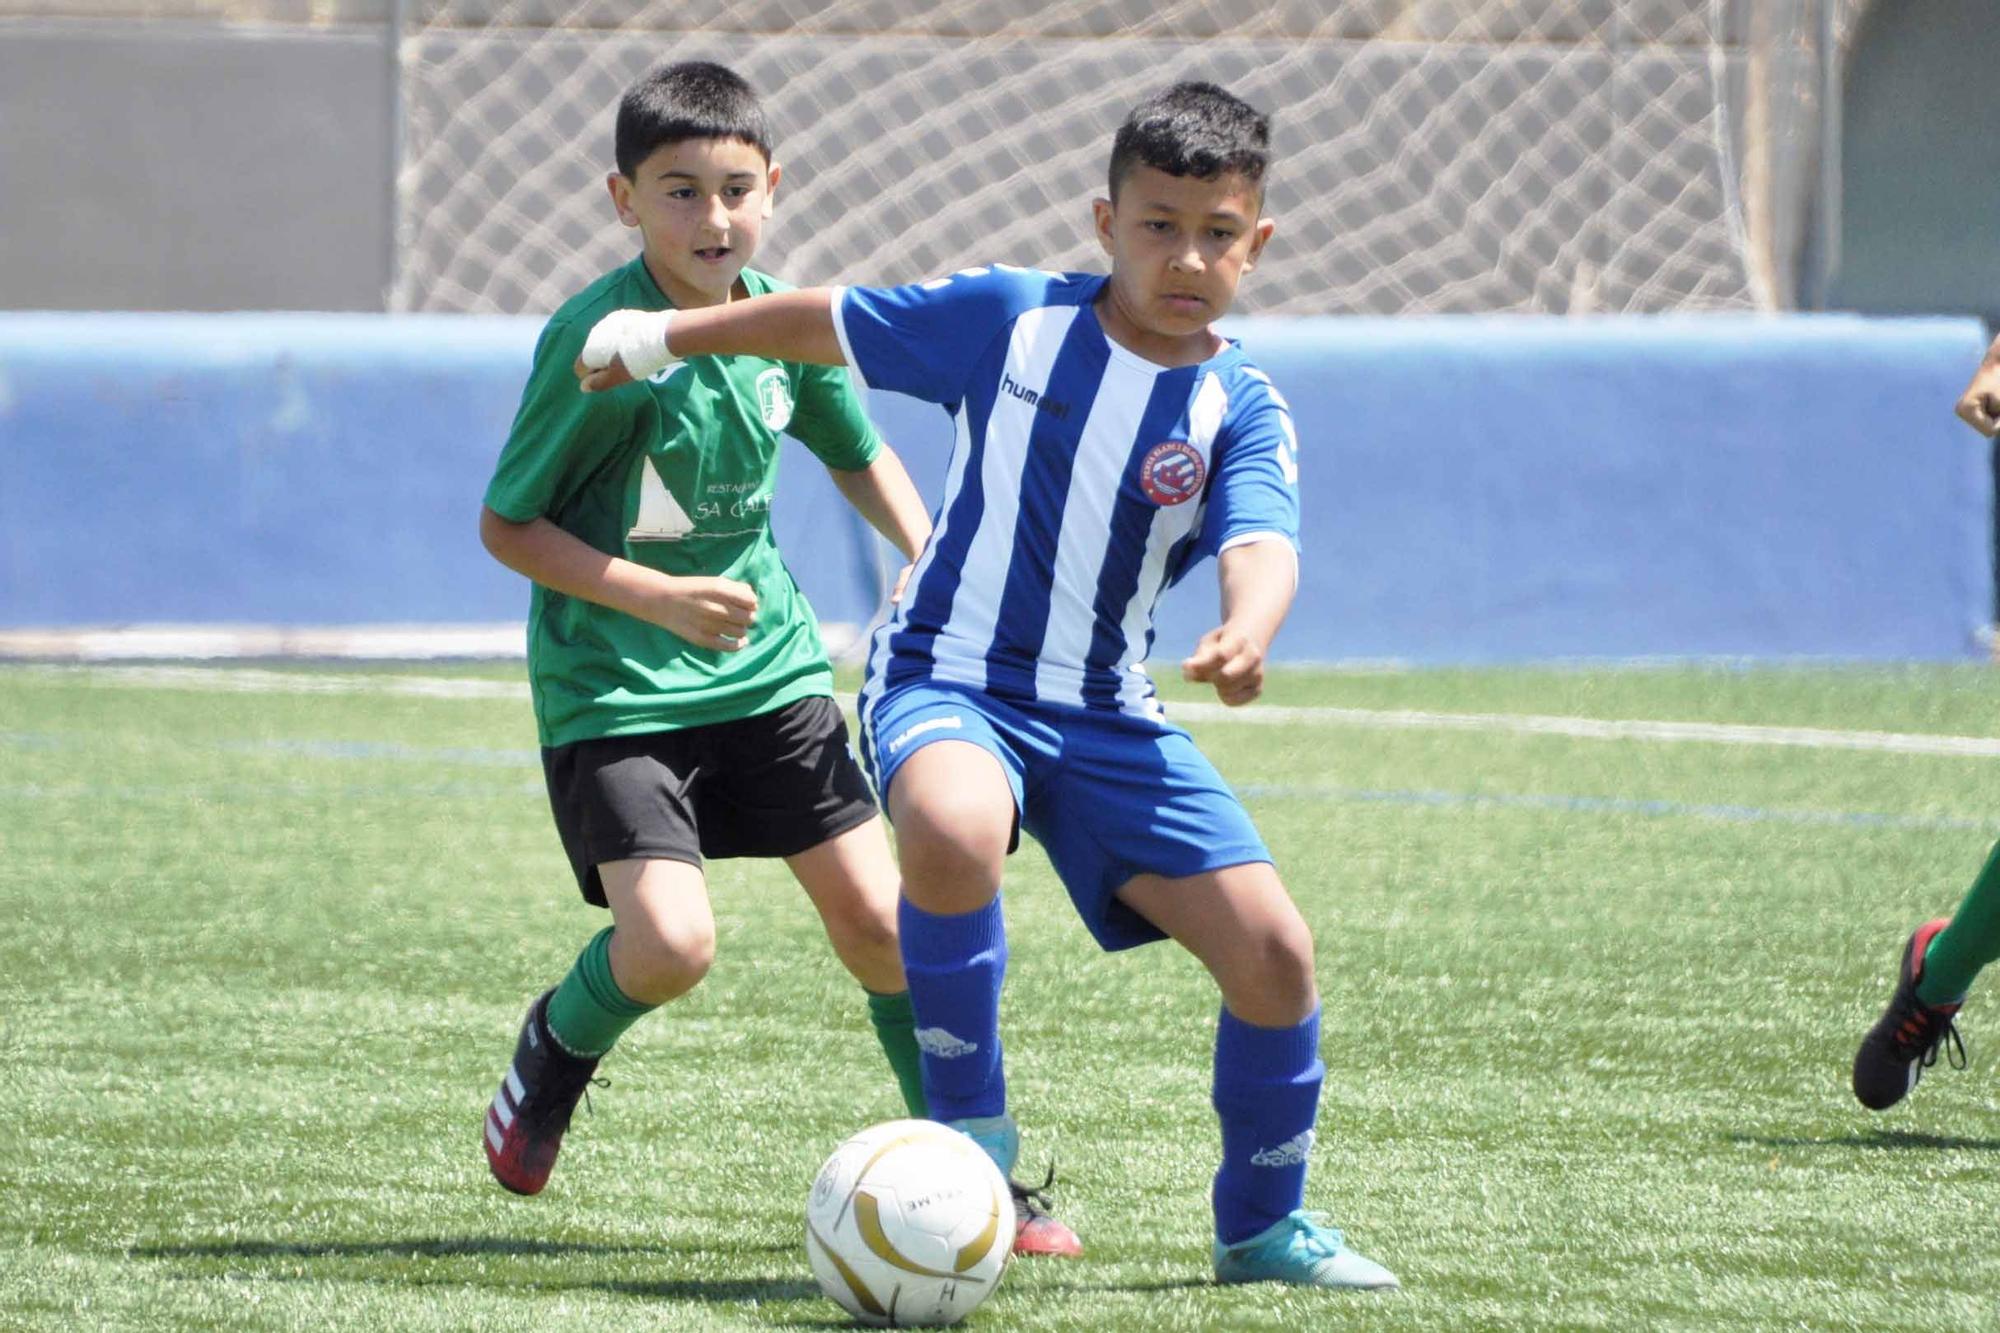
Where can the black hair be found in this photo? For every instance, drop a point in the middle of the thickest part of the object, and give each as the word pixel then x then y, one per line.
pixel 1193 129
pixel 695 99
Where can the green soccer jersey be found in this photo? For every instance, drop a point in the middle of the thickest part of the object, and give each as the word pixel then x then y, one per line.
pixel 675 473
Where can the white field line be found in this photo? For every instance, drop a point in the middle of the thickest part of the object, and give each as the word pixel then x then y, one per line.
pixel 252 680
pixel 256 680
pixel 1593 729
pixel 223 642
pixel 410 643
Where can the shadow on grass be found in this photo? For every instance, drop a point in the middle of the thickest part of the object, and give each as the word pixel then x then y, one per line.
pixel 766 1289
pixel 435 1247
pixel 1138 1288
pixel 1875 1138
pixel 716 1291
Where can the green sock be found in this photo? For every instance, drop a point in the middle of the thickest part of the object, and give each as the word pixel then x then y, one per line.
pixel 1969 943
pixel 896 1028
pixel 588 1013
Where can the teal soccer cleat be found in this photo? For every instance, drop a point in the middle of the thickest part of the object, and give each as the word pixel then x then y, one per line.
pixel 1301 1251
pixel 997 1134
pixel 1035 1231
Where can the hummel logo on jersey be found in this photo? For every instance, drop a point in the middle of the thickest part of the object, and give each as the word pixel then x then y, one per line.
pixel 952 723
pixel 1014 388
pixel 1289 1153
pixel 942 1044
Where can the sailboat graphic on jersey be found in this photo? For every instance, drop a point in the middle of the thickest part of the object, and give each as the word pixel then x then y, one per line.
pixel 661 518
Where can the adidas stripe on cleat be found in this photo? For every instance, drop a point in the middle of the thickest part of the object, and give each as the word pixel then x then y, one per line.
pixel 528 1115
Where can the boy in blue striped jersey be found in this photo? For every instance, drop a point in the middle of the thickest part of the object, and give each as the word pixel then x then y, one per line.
pixel 1107 441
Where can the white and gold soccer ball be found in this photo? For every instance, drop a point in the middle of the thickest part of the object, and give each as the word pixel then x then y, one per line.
pixel 909 1224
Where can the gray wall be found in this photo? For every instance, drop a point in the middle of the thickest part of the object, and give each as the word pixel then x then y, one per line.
pixel 1920 227
pixel 193 166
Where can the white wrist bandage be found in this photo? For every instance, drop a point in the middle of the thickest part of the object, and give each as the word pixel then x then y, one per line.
pixel 636 337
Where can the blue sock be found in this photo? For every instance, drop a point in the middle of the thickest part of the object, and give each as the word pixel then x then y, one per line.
pixel 1267 1094
pixel 955 965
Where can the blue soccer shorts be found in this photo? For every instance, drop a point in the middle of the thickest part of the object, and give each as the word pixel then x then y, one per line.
pixel 1108 796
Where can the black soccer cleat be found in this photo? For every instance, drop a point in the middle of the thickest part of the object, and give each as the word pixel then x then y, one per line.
pixel 1907 1037
pixel 1035 1232
pixel 525 1123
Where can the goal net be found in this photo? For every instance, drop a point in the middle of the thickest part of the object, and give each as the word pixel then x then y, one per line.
pixel 1562 156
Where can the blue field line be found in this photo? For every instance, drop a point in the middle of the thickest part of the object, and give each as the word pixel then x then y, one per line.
pixel 1613 805
pixel 391 750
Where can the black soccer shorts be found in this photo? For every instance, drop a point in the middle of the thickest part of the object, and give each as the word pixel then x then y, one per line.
pixel 773 785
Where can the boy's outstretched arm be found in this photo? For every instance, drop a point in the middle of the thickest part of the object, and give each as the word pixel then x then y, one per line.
pixel 883 494
pixel 710 613
pixel 1258 581
pixel 781 326
pixel 1979 405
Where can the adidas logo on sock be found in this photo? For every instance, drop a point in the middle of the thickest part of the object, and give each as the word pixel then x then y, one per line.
pixel 1291 1152
pixel 942 1044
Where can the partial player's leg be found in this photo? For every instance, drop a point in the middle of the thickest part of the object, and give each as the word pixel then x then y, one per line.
pixel 1968 944
pixel 851 880
pixel 1934 972
pixel 1245 929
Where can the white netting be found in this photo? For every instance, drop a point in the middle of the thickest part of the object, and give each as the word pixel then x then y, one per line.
pixel 1432 155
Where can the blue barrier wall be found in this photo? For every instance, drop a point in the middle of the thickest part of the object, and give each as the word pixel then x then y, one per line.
pixel 1476 489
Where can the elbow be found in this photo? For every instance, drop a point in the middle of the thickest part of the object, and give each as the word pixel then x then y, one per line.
pixel 494 532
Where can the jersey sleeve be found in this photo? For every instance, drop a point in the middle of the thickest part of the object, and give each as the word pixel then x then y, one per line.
pixel 560 434
pixel 924 339
pixel 830 421
pixel 1255 493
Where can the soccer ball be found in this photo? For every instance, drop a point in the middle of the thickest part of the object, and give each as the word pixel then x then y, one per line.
pixel 909 1224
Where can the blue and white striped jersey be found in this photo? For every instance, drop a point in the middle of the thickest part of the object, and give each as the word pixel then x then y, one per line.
pixel 1084 481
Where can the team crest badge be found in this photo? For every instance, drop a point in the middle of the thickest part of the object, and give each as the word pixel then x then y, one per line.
pixel 1171 473
pixel 774 398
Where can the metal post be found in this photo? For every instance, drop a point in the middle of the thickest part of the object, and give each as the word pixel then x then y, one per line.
pixel 1826 219
pixel 398 117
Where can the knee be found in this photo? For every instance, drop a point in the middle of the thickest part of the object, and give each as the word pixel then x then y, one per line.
pixel 864 930
pixel 654 961
pixel 951 847
pixel 1288 956
pixel 1273 982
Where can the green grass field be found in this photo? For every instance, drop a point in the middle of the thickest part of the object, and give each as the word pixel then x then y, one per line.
pixel 1590 1005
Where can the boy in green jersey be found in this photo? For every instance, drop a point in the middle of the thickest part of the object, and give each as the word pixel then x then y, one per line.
pixel 682 695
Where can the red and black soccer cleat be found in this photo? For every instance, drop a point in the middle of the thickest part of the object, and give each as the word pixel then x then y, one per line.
pixel 1035 1232
pixel 525 1123
pixel 1907 1037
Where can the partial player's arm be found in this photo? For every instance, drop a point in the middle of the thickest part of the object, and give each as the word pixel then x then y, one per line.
pixel 1979 406
pixel 779 326
pixel 710 613
pixel 1259 579
pixel 883 494
pixel 921 339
